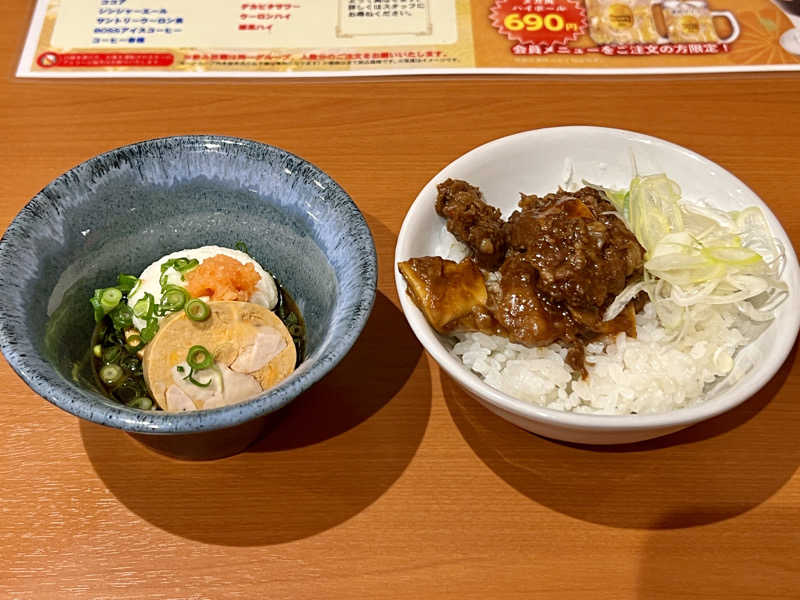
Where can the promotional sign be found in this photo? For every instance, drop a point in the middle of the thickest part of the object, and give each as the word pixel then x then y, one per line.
pixel 225 38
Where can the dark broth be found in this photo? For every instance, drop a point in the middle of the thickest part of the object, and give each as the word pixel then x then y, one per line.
pixel 287 311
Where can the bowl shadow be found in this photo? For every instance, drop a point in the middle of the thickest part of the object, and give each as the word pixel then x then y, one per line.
pixel 688 478
pixel 336 449
pixel 757 559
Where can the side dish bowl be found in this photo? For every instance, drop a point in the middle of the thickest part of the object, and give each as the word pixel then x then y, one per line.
pixel 119 211
pixel 538 162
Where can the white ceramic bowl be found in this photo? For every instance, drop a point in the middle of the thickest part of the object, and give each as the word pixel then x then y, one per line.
pixel 537 162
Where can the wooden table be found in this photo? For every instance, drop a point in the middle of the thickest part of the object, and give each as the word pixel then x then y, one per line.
pixel 399 486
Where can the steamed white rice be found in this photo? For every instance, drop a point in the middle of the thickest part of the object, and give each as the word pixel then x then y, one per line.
pixel 647 374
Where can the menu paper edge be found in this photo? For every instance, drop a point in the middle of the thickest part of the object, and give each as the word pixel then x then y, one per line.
pixel 31 42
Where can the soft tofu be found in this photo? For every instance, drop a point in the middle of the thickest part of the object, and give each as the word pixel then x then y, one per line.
pixel 265 294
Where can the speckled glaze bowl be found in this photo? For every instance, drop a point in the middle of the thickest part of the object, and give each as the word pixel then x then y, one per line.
pixel 119 211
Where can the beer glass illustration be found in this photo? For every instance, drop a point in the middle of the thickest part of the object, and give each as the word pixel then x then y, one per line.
pixel 693 21
pixel 622 22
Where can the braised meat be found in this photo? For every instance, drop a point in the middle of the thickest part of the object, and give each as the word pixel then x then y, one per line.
pixel 472 221
pixel 546 275
pixel 583 252
pixel 525 314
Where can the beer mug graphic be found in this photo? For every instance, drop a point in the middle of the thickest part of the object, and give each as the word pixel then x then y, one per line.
pixel 693 22
pixel 657 22
pixel 622 22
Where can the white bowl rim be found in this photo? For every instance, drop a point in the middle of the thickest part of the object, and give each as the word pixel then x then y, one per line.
pixel 681 417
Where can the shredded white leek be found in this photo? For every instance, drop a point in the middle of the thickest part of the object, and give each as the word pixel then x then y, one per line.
pixel 698 256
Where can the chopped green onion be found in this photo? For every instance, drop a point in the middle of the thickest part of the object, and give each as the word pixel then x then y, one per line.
pixel 111 374
pixel 199 358
pixel 111 354
pixel 97 350
pixel 241 247
pixel 110 298
pixel 173 298
pixel 119 337
pixel 135 288
pixel 175 288
pixel 144 308
pixel 103 301
pixel 126 282
pixel 150 330
pixel 142 402
pixel 180 264
pixel 121 317
pixel 197 383
pixel 181 369
pixel 171 287
pixel 99 313
pixel 135 343
pixel 197 310
pixel 295 330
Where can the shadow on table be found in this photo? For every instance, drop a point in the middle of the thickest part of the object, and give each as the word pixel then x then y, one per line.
pixel 754 556
pixel 337 448
pixel 709 472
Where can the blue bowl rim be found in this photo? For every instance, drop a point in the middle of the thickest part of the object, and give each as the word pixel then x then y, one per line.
pixel 43 379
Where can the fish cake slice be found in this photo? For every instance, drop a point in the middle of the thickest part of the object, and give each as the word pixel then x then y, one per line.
pixel 244 337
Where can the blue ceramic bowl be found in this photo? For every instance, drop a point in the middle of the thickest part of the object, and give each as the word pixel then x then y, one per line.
pixel 119 211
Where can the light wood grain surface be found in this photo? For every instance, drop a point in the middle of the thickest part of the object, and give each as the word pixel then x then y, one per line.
pixel 389 482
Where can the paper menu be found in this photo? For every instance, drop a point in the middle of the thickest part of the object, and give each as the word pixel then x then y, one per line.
pixel 234 38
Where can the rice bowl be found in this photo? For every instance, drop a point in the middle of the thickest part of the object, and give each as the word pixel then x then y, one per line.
pixel 537 394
